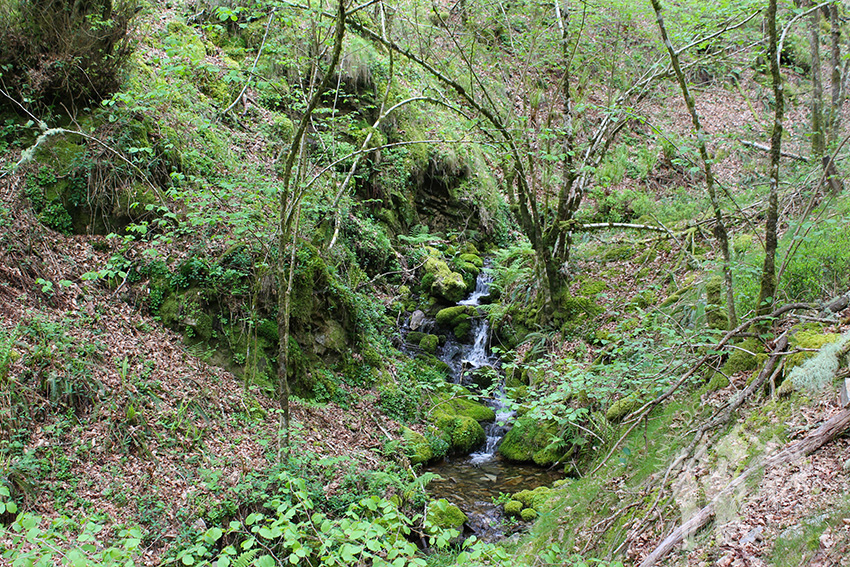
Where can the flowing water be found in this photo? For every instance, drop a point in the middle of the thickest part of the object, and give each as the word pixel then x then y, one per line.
pixel 473 482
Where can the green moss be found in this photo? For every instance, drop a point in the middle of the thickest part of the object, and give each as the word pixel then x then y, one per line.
pixel 621 408
pixel 718 381
pixel 473 259
pixel 414 337
pixel 429 343
pixel 202 324
pixel 622 252
pixel 592 287
pixel 513 508
pixel 451 404
pixel 446 515
pixel 268 330
pixel 452 316
pixel 712 291
pixel 813 338
pixel 748 355
pixel 527 439
pixel 416 446
pixel 528 515
pixel 716 318
pixel 446 284
pixel 462 433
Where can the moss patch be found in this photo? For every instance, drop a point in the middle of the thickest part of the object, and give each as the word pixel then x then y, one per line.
pixel 416 446
pixel 529 440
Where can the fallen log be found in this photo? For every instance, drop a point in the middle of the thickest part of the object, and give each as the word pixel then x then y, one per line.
pixel 766 148
pixel 830 429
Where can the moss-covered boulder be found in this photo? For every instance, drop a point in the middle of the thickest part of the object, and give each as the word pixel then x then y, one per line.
pixel 513 508
pixel 446 284
pixel 622 407
pixel 458 319
pixel 745 357
pixel 429 343
pixel 536 499
pixel 528 515
pixel 416 446
pixel 811 338
pixel 473 259
pixel 459 402
pixel 530 440
pixel 463 434
pixel 446 515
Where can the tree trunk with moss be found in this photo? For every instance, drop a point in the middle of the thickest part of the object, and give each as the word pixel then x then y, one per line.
pixel 767 289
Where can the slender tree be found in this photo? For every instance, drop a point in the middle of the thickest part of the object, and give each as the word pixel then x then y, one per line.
pixel 720 232
pixel 290 195
pixel 767 289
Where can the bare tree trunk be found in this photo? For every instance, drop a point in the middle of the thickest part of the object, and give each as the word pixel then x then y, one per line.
pixel 767 289
pixel 720 231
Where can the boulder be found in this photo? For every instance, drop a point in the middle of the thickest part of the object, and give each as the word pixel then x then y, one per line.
pixel 416 319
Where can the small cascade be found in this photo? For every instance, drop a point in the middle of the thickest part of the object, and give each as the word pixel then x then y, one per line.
pixel 466 360
pixel 475 481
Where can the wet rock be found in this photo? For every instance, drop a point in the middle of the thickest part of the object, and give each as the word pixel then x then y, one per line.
pixel 416 319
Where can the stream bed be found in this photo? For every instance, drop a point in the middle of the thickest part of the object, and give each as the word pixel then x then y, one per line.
pixel 474 482
pixel 473 487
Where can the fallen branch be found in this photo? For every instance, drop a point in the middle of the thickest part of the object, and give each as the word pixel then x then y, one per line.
pixel 604 225
pixel 810 443
pixel 766 148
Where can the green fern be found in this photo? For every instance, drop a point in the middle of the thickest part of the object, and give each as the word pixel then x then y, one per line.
pixel 245 559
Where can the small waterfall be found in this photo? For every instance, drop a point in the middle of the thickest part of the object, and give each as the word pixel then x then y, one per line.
pixel 467 359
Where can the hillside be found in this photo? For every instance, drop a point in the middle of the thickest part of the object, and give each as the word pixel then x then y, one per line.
pixel 423 284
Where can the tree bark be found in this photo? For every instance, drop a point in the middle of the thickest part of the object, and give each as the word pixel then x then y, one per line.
pixel 767 288
pixel 835 79
pixel 817 85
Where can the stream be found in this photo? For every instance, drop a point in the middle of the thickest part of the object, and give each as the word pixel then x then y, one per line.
pixel 473 482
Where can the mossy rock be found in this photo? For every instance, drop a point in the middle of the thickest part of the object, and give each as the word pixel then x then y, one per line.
pixel 446 515
pixel 513 508
pixel 528 515
pixel 718 382
pixel 747 357
pixel 331 336
pixel 414 337
pixel 813 338
pixel 536 499
pixel 621 408
pixel 463 434
pixel 450 404
pixel 453 316
pixel 615 253
pixel 429 343
pixel 473 259
pixel 201 324
pixel 416 446
pixel 527 439
pixel 447 285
